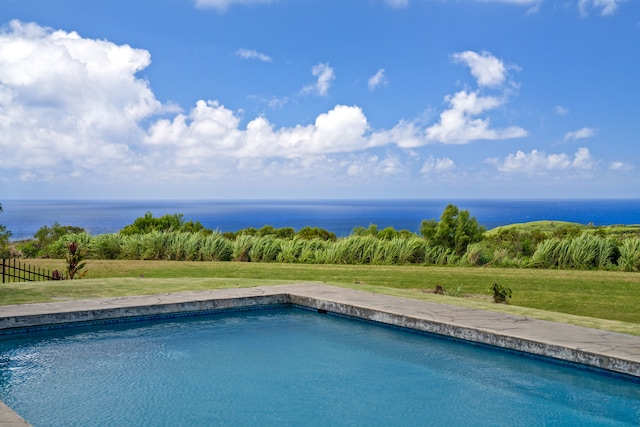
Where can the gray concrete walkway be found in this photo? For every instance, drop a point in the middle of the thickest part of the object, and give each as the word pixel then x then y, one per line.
pixel 606 350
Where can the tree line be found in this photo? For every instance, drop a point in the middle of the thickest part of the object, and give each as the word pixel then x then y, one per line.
pixel 456 239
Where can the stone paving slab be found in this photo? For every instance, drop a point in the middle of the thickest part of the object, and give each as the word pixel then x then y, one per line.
pixel 602 349
pixel 8 418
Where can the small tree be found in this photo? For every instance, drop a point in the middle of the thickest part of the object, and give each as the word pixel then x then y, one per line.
pixel 310 233
pixel 168 222
pixel 75 261
pixel 4 239
pixel 46 236
pixel 456 229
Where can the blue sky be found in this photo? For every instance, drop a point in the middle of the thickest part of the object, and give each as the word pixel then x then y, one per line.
pixel 246 99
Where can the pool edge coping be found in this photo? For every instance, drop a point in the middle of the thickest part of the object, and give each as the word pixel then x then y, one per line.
pixel 604 350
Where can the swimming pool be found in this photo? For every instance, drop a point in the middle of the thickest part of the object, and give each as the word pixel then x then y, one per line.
pixel 288 366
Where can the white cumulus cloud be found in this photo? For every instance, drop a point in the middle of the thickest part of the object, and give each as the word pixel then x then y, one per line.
pixel 541 162
pixel 437 165
pixel 459 124
pixel 534 5
pixel 518 2
pixel 464 120
pixel 377 79
pixel 68 102
pixel 620 166
pixel 398 3
pixel 580 134
pixel 367 166
pixel 606 7
pixel 486 68
pixel 252 54
pixel 324 78
pixel 223 5
pixel 210 131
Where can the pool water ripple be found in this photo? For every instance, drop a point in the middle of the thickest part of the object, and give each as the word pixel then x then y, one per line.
pixel 292 367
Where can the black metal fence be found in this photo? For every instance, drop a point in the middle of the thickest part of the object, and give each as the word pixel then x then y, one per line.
pixel 16 271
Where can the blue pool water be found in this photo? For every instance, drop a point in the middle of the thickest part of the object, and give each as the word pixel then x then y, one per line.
pixel 293 367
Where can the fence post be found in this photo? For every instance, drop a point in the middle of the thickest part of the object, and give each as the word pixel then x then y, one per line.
pixel 3 270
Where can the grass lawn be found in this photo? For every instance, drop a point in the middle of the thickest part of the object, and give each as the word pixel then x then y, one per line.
pixel 599 299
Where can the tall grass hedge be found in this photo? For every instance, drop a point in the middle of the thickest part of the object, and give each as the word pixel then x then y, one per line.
pixel 585 251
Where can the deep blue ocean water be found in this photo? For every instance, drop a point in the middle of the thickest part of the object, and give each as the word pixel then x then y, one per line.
pixel 24 217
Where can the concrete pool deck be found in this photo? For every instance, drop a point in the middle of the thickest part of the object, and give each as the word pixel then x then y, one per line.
pixel 610 351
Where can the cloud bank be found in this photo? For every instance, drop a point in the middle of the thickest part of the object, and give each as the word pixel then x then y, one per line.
pixel 74 108
pixel 539 162
pixel 69 103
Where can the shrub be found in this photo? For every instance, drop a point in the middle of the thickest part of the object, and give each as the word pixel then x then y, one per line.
pixel 629 259
pixel 4 239
pixel 476 255
pixel 310 233
pixel 586 251
pixel 500 293
pixel 46 236
pixel 241 248
pixel 456 230
pixel 312 251
pixel 216 248
pixel 290 250
pixel 131 247
pixel 265 249
pixel 439 255
pixel 155 245
pixel 28 249
pixel 75 261
pixel 106 246
pixel 170 222
pixel 58 249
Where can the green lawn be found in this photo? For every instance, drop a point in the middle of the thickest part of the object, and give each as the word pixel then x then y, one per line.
pixel 601 299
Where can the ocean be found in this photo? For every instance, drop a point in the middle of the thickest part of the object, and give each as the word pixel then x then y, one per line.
pixel 24 217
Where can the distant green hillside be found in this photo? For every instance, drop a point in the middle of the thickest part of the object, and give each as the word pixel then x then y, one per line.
pixel 538 226
pixel 562 227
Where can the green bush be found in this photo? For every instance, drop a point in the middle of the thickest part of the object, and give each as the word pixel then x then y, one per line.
pixel 629 259
pixel 131 247
pixel 477 254
pixel 28 249
pixel 290 250
pixel 265 249
pixel 456 230
pixel 310 233
pixel 587 251
pixel 216 248
pixel 45 240
pixel 241 248
pixel 168 222
pixel 4 240
pixel 58 249
pixel 500 293
pixel 106 246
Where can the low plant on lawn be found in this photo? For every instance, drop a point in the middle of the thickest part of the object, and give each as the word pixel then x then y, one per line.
pixel 500 293
pixel 75 261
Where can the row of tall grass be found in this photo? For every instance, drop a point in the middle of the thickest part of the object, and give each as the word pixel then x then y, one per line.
pixel 586 251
